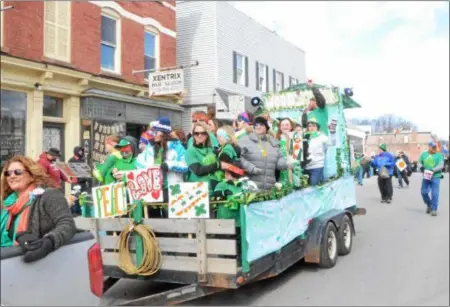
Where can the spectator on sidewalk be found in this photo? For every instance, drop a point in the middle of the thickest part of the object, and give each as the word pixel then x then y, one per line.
pixel 431 165
pixel 79 157
pixel 384 162
pixel 47 162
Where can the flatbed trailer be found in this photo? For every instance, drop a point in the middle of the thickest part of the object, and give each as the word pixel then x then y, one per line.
pixel 205 256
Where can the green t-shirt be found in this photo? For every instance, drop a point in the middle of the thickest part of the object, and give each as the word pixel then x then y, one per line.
pixel 204 156
pixel 432 161
pixel 321 115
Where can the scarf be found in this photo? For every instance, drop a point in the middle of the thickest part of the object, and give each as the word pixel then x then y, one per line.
pixel 15 205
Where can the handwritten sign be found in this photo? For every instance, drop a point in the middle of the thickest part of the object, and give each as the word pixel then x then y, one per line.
pixel 166 82
pixel 146 185
pixel 79 170
pixel 427 175
pixel 189 200
pixel 101 130
pixel 110 200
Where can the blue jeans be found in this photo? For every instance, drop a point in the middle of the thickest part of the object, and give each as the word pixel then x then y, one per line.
pixel 359 175
pixel 433 186
pixel 315 176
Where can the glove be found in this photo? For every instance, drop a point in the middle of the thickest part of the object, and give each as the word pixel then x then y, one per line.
pixel 28 240
pixel 46 246
pixel 164 167
pixel 422 169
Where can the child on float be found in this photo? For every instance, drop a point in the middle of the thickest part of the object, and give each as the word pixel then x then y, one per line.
pixel 103 171
pixel 317 147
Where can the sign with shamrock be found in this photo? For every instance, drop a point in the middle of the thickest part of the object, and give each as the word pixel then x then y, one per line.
pixel 189 200
pixel 145 184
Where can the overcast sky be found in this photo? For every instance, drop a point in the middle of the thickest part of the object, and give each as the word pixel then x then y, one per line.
pixel 394 54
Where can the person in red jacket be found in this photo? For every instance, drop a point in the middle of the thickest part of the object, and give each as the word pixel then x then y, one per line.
pixel 47 162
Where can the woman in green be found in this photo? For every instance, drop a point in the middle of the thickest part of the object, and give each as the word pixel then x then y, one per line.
pixel 203 164
pixel 284 135
pixel 229 152
pixel 103 171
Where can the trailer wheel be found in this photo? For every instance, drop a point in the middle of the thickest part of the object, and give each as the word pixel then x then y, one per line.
pixel 345 236
pixel 329 247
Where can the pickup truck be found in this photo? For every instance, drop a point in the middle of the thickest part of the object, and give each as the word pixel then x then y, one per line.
pixel 57 280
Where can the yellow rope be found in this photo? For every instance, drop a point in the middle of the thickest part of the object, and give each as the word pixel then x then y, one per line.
pixel 151 258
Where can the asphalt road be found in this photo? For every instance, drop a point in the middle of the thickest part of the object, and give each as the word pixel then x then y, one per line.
pixel 400 256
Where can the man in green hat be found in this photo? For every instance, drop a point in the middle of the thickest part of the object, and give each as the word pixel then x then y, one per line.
pixel 129 150
pixel 385 163
pixel 431 165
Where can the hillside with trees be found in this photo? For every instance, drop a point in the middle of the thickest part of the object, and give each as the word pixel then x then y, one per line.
pixel 385 123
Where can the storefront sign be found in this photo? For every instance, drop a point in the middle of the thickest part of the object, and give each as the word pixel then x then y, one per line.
pixel 166 82
pixel 146 185
pixel 110 200
pixel 189 200
pixel 101 130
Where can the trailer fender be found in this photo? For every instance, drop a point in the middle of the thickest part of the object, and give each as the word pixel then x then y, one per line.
pixel 317 229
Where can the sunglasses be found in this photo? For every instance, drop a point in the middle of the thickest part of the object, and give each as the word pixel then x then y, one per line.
pixel 200 133
pixel 17 172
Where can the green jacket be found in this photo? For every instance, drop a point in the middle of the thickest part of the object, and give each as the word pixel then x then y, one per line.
pixel 128 164
pixel 203 165
pixel 432 162
pixel 225 189
pixel 103 171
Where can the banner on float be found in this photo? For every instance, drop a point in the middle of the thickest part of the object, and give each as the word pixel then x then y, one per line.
pixel 146 185
pixel 110 200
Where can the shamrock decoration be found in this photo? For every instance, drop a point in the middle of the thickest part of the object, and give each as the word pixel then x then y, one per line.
pixel 200 210
pixel 172 209
pixel 183 203
pixel 175 189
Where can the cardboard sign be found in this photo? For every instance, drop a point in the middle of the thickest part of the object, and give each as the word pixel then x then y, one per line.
pixel 110 200
pixel 401 165
pixel 66 169
pixel 166 82
pixel 79 170
pixel 146 185
pixel 189 200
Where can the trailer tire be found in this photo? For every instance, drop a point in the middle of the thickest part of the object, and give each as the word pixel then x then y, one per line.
pixel 329 247
pixel 345 236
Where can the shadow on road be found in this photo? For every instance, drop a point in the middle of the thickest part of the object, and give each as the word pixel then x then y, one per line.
pixel 249 294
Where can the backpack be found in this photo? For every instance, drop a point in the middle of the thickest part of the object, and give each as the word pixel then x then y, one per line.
pixel 384 173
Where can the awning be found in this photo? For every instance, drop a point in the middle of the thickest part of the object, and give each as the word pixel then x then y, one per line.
pixel 127 98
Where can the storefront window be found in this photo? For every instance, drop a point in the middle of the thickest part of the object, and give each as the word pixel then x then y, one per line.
pixel 13 117
pixel 53 106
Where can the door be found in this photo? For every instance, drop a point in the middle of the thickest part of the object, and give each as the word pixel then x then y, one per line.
pixel 53 136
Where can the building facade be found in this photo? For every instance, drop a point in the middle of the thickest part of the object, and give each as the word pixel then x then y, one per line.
pixel 412 143
pixel 236 55
pixel 67 72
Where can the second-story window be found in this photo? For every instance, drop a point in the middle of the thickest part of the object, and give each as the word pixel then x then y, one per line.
pixel 240 69
pixel 110 43
pixel 57 30
pixel 262 77
pixel 149 52
pixel 278 81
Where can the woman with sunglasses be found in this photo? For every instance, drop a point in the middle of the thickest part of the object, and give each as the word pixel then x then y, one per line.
pixel 103 171
pixel 261 155
pixel 317 146
pixel 243 125
pixel 286 130
pixel 34 214
pixel 201 159
pixel 202 117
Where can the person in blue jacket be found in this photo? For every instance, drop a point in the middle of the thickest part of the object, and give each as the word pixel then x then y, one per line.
pixel 385 163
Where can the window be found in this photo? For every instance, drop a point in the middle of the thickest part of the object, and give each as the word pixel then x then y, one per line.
pixel 405 139
pixel 279 81
pixel 110 42
pixel 291 81
pixel 262 80
pixel 296 81
pixel 13 124
pixel 53 106
pixel 57 30
pixel 240 64
pixel 150 52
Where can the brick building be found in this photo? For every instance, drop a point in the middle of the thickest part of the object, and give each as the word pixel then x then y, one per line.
pixel 66 72
pixel 412 143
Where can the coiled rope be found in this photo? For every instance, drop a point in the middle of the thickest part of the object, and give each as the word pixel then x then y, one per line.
pixel 151 258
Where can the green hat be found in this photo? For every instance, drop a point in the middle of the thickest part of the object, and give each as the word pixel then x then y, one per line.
pixel 383 147
pixel 314 121
pixel 122 143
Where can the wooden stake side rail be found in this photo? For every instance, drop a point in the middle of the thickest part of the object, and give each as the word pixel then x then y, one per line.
pixel 207 255
pixel 180 226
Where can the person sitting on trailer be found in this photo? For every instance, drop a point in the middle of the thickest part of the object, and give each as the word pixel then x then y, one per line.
pixel 317 146
pixel 203 164
pixel 202 117
pixel 128 148
pixel 103 171
pixel 243 124
pixel 317 109
pixel 261 155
